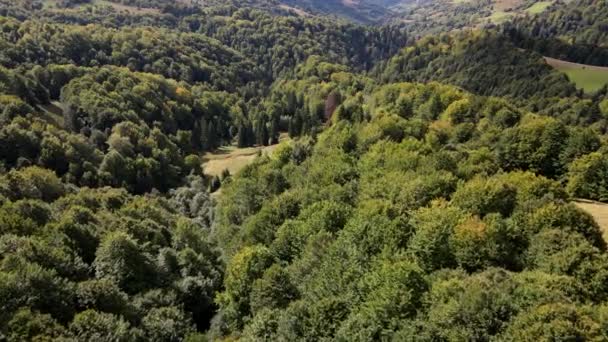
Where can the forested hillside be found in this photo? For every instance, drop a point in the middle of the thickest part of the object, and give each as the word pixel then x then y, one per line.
pixel 578 21
pixel 420 184
pixel 436 216
pixel 362 11
pixel 486 63
pixel 573 30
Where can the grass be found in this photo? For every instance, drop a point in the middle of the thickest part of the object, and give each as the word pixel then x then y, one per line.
pixel 295 10
pixel 50 4
pixel 500 17
pixel 539 7
pixel 599 211
pixel 234 159
pixel 587 77
pixel 124 8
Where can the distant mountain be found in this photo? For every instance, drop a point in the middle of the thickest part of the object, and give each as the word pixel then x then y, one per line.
pixel 434 16
pixel 425 16
pixel 362 11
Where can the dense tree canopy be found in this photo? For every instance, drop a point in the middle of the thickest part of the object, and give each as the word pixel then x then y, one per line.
pixel 89 263
pixel 418 188
pixel 414 222
pixel 570 30
pixel 482 62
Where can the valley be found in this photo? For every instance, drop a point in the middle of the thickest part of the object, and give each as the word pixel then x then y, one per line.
pixel 303 170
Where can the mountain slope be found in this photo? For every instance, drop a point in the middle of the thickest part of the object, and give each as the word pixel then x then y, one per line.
pixel 362 11
pixel 485 63
pixel 576 31
pixel 402 224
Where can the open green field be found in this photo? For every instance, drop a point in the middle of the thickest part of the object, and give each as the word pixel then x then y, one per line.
pixel 500 17
pixel 231 158
pixel 234 159
pixel 49 4
pixel 124 8
pixel 539 7
pixel 587 77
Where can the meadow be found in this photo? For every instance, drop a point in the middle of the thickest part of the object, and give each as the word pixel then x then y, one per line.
pixel 234 159
pixel 587 77
pixel 539 7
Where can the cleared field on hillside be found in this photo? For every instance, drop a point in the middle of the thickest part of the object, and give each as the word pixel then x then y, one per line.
pixel 587 77
pixel 539 7
pixel 500 17
pixel 130 9
pixel 234 159
pixel 599 211
pixel 297 11
pixel 50 4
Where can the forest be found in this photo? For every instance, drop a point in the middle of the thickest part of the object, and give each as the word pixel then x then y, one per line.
pixel 576 31
pixel 421 186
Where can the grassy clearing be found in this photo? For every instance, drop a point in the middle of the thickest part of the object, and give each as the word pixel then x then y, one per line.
pixel 539 7
pixel 599 211
pixel 234 159
pixel 297 11
pixel 587 77
pixel 500 17
pixel 124 8
pixel 50 4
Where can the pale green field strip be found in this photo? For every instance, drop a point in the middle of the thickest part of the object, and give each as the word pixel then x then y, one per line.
pixel 234 159
pixel 539 7
pixel 500 17
pixel 587 77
